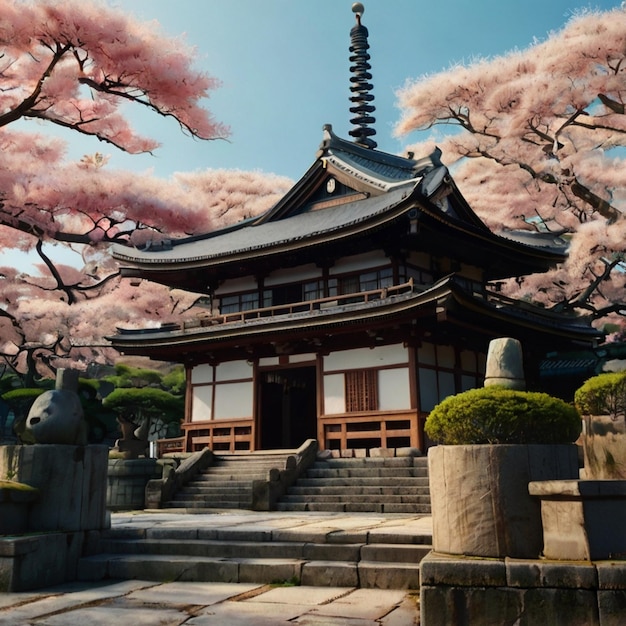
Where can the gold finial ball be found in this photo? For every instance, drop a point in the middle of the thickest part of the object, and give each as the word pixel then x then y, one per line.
pixel 358 7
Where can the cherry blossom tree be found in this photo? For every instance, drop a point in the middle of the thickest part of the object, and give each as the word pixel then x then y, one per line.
pixel 77 66
pixel 536 140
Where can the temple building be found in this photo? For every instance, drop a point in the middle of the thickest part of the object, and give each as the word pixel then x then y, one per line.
pixel 349 309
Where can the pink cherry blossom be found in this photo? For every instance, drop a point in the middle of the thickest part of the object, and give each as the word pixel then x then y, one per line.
pixel 535 140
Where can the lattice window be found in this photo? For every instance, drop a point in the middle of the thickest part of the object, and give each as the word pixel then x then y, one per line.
pixel 361 390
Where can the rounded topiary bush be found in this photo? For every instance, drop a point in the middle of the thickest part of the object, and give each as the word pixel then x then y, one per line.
pixel 499 415
pixel 602 401
pixel 604 394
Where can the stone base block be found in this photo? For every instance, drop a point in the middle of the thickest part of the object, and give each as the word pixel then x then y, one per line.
pixel 470 590
pixel 330 574
pixel 71 481
pixel 582 519
pixel 480 500
pixel 35 561
pixel 127 480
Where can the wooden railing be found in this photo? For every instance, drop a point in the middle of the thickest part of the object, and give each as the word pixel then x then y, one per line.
pixel 171 445
pixel 378 430
pixel 219 435
pixel 304 306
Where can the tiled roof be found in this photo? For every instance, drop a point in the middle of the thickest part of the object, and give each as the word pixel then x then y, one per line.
pixel 270 234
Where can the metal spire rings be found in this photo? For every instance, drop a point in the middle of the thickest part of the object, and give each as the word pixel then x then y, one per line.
pixel 359 83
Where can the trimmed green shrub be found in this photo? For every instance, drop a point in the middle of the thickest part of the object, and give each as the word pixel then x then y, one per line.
pixel 20 400
pixel 499 415
pixel 146 402
pixel 604 394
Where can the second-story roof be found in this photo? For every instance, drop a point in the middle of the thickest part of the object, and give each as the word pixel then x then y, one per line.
pixel 349 201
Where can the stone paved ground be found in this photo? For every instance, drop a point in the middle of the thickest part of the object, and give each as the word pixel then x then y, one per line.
pixel 400 527
pixel 139 603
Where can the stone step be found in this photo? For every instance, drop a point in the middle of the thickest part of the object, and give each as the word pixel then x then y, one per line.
pixel 215 503
pixel 305 535
pixel 213 490
pixel 208 499
pixel 325 490
pixel 234 496
pixel 251 460
pixel 418 461
pixel 362 472
pixel 363 499
pixel 354 507
pixel 230 476
pixel 309 551
pixel 228 483
pixel 282 555
pixel 405 482
pixel 367 574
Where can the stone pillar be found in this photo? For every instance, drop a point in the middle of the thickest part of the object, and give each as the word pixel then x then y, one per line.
pixel 480 500
pixel 505 364
pixel 72 482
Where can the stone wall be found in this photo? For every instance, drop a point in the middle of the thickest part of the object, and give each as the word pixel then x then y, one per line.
pixel 63 521
pixel 127 480
pixel 71 482
pixel 470 590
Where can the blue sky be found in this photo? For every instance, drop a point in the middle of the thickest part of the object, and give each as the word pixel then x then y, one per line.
pixel 284 68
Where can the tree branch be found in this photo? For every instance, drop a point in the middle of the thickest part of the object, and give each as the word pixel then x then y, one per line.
pixel 21 109
pixel 55 273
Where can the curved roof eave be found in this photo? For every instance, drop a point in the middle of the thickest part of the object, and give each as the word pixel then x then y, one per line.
pixel 279 236
pixel 404 307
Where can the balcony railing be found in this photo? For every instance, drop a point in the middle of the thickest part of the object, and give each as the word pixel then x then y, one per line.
pixel 304 306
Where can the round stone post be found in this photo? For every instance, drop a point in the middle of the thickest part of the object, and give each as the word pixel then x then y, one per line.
pixel 505 364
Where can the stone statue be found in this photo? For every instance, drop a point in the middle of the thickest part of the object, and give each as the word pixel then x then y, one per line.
pixel 505 364
pixel 57 416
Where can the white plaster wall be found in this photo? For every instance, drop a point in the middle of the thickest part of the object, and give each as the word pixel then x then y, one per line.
pixel 233 370
pixel 445 356
pixel 296 275
pixel 268 361
pixel 301 358
pixel 429 395
pixel 468 361
pixel 426 354
pixel 246 283
pixel 202 374
pixel 334 394
pixel 365 357
pixel 393 389
pixel 233 400
pixel 359 262
pixel 201 403
pixel 430 354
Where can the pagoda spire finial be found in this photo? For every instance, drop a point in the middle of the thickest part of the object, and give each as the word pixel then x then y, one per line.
pixel 359 85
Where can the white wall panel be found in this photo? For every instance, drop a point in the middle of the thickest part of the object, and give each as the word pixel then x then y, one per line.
pixel 233 400
pixel 428 389
pixel 366 357
pixel 297 275
pixel 233 370
pixel 334 394
pixel 393 389
pixel 202 374
pixel 247 283
pixel 201 403
pixel 301 358
pixel 359 262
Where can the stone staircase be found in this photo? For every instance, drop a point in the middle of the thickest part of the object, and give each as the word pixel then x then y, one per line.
pixel 274 550
pixel 356 485
pixel 227 484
